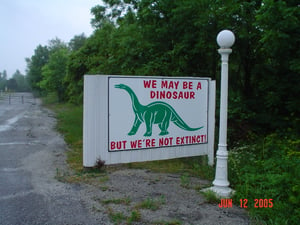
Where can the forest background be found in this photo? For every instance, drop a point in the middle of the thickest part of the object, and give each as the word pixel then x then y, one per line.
pixel 177 38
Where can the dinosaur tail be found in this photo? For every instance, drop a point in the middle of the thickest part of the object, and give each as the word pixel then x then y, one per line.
pixel 178 121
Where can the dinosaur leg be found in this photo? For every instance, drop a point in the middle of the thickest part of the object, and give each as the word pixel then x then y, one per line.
pixel 149 119
pixel 135 126
pixel 164 125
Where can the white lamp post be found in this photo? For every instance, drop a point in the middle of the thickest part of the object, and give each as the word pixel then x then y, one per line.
pixel 225 40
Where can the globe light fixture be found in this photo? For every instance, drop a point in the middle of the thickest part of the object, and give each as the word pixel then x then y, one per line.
pixel 225 39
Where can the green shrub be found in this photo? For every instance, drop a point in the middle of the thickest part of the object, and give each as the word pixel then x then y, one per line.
pixel 270 170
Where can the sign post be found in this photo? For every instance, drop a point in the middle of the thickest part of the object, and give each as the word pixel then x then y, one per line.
pixel 225 40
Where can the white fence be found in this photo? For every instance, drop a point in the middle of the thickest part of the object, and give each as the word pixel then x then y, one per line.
pixel 17 98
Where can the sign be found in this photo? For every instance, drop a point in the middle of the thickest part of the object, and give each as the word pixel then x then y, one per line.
pixel 143 118
pixel 156 112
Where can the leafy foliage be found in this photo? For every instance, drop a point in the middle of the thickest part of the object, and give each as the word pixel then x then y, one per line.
pixel 142 37
pixel 53 73
pixel 269 170
pixel 35 65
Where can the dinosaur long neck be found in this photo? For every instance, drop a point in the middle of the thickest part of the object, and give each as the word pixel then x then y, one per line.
pixel 136 105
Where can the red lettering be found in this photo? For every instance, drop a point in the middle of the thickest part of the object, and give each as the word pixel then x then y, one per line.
pixel 152 94
pixel 225 203
pixel 150 83
pixel 176 83
pixel 263 203
pixel 134 144
pixel 118 145
pixel 192 95
pixel 186 95
pixel 199 86
pixel 150 143
pixel 180 96
pixel 243 203
pixel 169 94
pixel 180 140
pixel 175 95
pixel 194 139
pixel 270 203
pixel 169 84
pixel 139 143
pixel 147 83
pixel 165 141
pixel 112 145
pixel 187 85
pixel 154 84
pixel 184 85
pixel 190 139
pixel 172 95
pixel 164 84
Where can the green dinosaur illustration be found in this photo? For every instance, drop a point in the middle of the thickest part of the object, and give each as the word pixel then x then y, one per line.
pixel 157 112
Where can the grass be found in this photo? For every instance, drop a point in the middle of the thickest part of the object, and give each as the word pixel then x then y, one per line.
pixel 116 217
pixel 69 123
pixel 152 204
pixel 120 217
pixel 132 213
pixel 190 166
pixel 211 196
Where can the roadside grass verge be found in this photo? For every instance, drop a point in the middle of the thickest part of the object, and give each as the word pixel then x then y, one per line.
pixel 69 123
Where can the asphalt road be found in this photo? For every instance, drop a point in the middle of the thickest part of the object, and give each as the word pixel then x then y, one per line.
pixel 30 153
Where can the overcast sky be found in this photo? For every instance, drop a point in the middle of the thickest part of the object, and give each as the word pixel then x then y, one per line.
pixel 24 24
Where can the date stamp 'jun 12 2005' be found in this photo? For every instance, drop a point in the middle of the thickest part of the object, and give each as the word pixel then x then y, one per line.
pixel 244 203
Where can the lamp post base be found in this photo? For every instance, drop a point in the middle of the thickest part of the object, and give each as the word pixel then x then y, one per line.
pixel 221 192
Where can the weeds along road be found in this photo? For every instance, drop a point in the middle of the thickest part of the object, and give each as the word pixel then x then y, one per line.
pixel 30 152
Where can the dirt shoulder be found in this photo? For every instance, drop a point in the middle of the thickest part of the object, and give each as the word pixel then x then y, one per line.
pixel 158 198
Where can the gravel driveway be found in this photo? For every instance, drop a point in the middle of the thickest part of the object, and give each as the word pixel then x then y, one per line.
pixel 32 153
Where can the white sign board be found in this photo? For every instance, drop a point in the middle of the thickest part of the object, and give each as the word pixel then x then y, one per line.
pixel 134 118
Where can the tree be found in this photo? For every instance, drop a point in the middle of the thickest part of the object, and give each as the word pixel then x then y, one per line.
pixel 4 75
pixel 56 44
pixel 77 42
pixel 92 58
pixel 54 71
pixel 22 84
pixel 3 80
pixel 35 65
pixel 279 78
pixel 12 84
